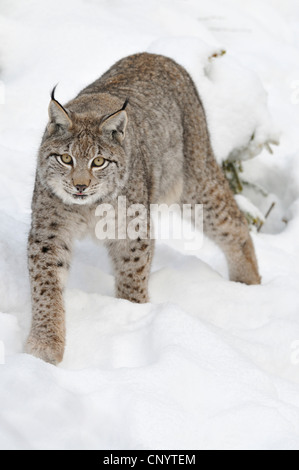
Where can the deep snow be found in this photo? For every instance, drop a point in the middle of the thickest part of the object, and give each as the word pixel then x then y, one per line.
pixel 208 364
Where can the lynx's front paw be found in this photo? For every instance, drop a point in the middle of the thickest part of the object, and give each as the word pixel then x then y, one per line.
pixel 50 351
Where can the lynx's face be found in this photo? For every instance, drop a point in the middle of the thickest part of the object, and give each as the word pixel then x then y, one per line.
pixel 82 159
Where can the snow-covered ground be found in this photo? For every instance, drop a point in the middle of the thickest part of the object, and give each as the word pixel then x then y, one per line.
pixel 208 364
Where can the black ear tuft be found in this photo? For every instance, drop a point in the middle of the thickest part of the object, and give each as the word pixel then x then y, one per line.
pixel 60 118
pixel 125 104
pixel 54 99
pixel 108 116
pixel 53 93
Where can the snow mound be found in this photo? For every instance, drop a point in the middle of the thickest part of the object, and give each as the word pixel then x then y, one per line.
pixel 233 96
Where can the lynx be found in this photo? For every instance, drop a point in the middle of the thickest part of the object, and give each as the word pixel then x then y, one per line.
pixel 139 132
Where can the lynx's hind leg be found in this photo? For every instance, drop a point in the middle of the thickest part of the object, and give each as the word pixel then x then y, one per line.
pixel 223 221
pixel 226 225
pixel 205 183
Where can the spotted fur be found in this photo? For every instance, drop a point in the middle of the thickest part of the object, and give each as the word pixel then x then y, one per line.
pixel 145 117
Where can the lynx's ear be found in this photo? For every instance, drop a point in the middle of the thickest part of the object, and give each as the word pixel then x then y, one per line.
pixel 58 115
pixel 115 125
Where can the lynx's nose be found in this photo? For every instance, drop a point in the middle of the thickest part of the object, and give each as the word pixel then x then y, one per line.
pixel 81 187
pixel 81 180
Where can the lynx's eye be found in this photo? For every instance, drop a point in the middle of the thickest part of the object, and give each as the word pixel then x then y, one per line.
pixel 99 163
pixel 65 159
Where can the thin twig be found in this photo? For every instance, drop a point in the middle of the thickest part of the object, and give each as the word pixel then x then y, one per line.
pixel 267 216
pixel 235 172
pixel 256 187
